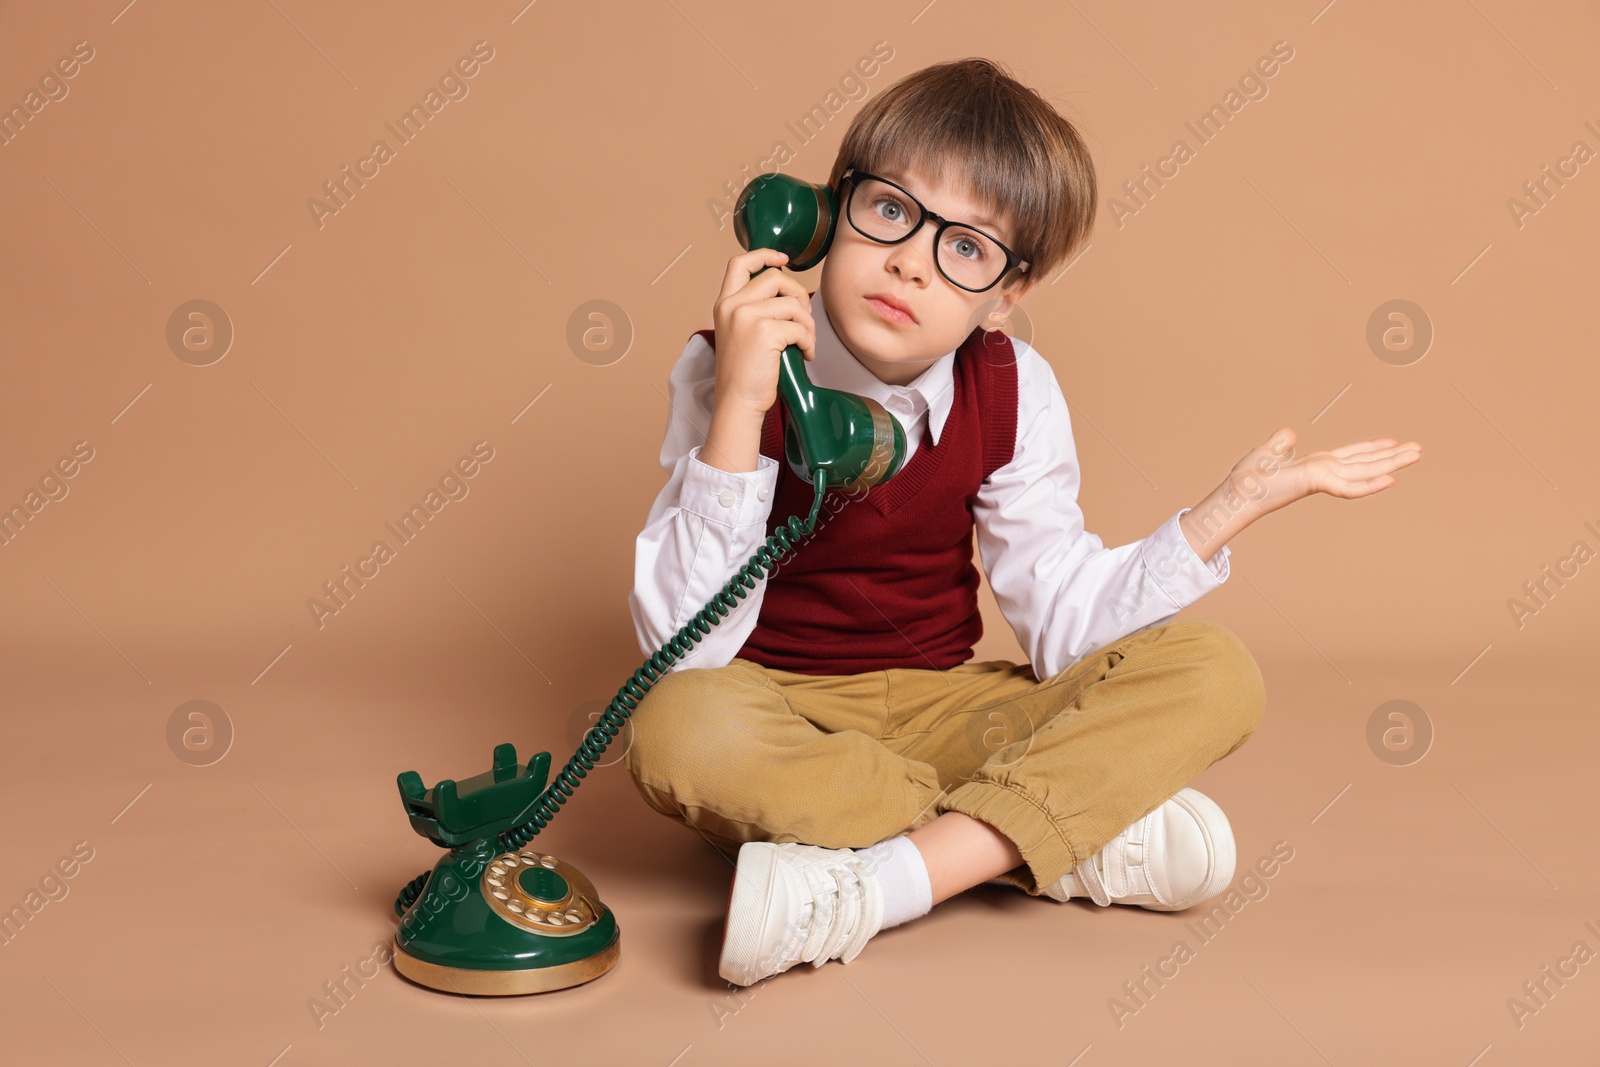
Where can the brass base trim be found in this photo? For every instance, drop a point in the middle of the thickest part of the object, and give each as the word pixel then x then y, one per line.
pixel 877 466
pixel 505 983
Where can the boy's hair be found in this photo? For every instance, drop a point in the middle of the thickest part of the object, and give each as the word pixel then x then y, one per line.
pixel 998 139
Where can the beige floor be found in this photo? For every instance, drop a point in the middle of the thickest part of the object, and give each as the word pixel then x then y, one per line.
pixel 1417 902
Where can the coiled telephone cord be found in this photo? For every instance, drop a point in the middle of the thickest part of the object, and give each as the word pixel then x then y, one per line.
pixel 761 564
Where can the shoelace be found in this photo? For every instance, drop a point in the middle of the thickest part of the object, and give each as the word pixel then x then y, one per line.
pixel 846 911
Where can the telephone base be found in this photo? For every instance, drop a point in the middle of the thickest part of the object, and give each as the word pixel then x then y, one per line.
pixel 497 923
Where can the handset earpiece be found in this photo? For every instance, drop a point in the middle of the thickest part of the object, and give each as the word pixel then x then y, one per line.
pixel 795 217
pixel 850 439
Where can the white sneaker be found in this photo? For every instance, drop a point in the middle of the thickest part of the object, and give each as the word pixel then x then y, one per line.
pixel 792 902
pixel 1175 857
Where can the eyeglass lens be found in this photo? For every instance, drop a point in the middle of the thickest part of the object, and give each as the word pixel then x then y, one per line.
pixel 884 213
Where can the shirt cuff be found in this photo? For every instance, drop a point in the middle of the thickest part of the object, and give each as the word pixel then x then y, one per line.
pixel 728 497
pixel 1177 569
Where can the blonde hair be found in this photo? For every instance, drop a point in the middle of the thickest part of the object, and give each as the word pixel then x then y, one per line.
pixel 1002 142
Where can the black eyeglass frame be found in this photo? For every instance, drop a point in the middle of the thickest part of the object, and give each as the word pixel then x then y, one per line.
pixel 1013 261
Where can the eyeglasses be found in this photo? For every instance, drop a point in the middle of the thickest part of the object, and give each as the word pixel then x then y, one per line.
pixel 969 258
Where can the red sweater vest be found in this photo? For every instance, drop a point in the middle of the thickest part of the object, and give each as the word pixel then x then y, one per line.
pixel 887 578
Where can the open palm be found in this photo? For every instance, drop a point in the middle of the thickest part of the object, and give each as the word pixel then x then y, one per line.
pixel 1272 475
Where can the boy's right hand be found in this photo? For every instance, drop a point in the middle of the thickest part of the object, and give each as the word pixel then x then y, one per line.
pixel 756 316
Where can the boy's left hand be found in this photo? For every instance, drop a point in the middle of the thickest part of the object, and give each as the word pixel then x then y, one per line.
pixel 1272 476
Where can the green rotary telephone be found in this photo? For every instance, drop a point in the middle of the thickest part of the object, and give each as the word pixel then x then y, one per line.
pixel 494 917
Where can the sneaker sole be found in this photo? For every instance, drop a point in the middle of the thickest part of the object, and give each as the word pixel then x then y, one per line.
pixel 752 884
pixel 1207 814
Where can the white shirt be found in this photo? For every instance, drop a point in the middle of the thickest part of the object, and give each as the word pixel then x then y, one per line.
pixel 1062 591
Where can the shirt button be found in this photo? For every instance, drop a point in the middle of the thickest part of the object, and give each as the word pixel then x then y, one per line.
pixel 761 494
pixel 725 498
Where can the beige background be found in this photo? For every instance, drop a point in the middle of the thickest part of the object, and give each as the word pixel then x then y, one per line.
pixel 432 312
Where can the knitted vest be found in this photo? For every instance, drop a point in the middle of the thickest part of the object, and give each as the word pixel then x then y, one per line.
pixel 887 578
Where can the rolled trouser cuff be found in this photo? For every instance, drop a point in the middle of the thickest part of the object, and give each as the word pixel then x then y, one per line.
pixel 1046 853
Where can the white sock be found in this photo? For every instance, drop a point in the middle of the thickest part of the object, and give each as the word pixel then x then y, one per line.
pixel 907 892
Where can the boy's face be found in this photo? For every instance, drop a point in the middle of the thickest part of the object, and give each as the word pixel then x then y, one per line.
pixel 856 268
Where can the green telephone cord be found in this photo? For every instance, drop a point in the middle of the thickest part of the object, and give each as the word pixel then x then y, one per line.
pixel 612 720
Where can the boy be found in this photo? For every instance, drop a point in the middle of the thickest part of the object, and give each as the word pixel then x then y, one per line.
pixel 829 731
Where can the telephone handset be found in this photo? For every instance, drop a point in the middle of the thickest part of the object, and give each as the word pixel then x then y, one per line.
pixel 494 917
pixel 851 438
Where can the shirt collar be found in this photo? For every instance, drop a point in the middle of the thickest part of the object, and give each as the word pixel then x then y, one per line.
pixel 835 367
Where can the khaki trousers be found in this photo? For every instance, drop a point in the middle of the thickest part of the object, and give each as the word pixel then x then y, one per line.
pixel 1060 767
